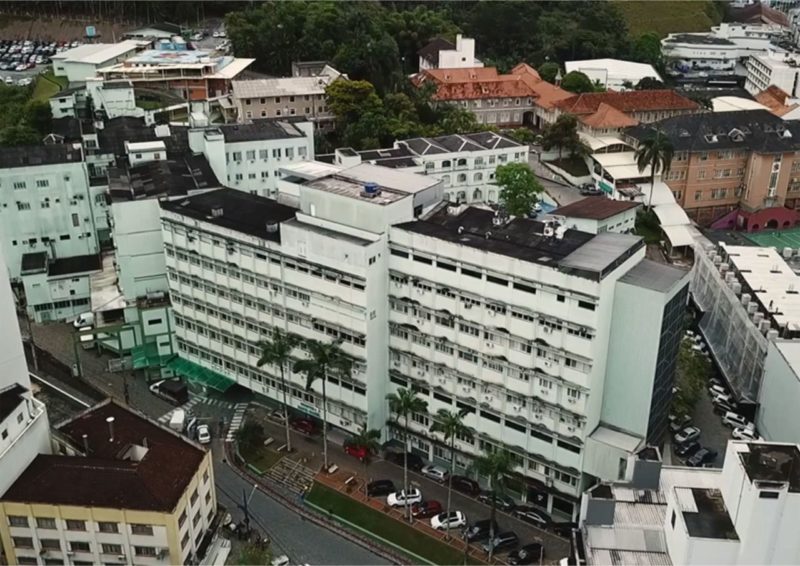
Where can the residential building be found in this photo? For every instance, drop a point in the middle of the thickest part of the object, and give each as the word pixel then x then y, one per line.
pixel 441 54
pixel 81 63
pixel 595 215
pixel 746 296
pixel 299 96
pixel 740 514
pixel 613 74
pixel 57 288
pixel 65 102
pixel 780 392
pixel 48 204
pixel 774 67
pixel 103 496
pixel 466 163
pixel 511 100
pixel 719 51
pixel 417 291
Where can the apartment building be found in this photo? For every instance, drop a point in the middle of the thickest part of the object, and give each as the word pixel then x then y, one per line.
pixel 301 96
pixel 511 100
pixel 102 497
pixel 780 392
pixel 508 319
pixel 775 67
pixel 740 514
pixel 465 163
pixel 441 54
pixel 733 169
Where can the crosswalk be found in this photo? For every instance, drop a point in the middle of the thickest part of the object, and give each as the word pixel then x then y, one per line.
pixel 197 400
pixel 164 419
pixel 236 422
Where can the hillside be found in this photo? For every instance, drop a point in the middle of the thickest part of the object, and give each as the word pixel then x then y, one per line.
pixel 665 17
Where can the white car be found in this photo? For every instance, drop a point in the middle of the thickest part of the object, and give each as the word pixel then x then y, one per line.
pixel 203 434
pixel 436 473
pixel 735 420
pixel 456 520
pixel 744 433
pixel 715 390
pixel 400 498
pixel 216 34
pixel 687 435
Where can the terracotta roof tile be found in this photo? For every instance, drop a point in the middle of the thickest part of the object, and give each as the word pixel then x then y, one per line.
pixel 608 117
pixel 628 101
pixel 774 98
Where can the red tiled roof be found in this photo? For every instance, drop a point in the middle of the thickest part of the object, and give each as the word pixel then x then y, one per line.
pixel 628 101
pixel 607 117
pixel 103 478
pixel 595 208
pixel 774 98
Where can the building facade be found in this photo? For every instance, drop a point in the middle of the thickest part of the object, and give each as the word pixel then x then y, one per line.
pixel 81 63
pixel 777 68
pixel 780 392
pixel 441 54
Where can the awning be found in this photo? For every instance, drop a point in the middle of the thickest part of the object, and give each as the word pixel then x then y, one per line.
pixel 678 235
pixel 146 356
pixel 198 374
pixel 671 214
pixel 662 194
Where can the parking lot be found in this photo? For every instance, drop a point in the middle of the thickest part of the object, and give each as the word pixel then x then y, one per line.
pixel 21 60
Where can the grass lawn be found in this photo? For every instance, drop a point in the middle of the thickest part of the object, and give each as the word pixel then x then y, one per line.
pixel 667 16
pixel 47 85
pixel 575 166
pixel 261 457
pixel 384 526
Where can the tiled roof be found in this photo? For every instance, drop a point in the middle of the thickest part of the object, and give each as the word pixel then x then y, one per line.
pixel 774 98
pixel 607 116
pixel 628 101
pixel 594 208
pixel 108 476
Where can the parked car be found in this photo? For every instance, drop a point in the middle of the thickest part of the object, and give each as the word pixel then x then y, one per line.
pixel 687 435
pixel 504 502
pixel 203 434
pixel 562 528
pixel 529 554
pixel 590 191
pixel 356 451
pixel 504 541
pixel 426 509
pixel 532 515
pixel 679 422
pixel 734 420
pixel 401 498
pixel 414 462
pixel 686 450
pixel 744 433
pixel 715 390
pixel 722 407
pixel 701 457
pixel 173 390
pixel 380 488
pixel 436 473
pixel 456 520
pixel 722 398
pixel 466 485
pixel 480 530
pixel 305 426
pixel 277 415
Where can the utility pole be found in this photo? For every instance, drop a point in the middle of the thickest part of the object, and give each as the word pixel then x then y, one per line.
pixel 34 358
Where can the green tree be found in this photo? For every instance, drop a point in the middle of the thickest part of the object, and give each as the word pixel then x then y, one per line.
pixel 563 134
pixel 403 404
pixel 523 136
pixel 324 361
pixel 370 440
pixel 649 83
pixel 348 100
pixel 656 152
pixel 451 426
pixel 22 134
pixel 548 71
pixel 457 120
pixel 252 553
pixel 250 436
pixel 278 352
pixel 577 82
pixel 647 49
pixel 414 28
pixel 496 466
pixel 519 188
pixel 692 374
pixel 37 115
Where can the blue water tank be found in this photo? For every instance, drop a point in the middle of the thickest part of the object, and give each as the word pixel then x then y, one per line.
pixel 371 188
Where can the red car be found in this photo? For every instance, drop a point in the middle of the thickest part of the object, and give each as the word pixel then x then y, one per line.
pixel 426 509
pixel 305 426
pixel 356 451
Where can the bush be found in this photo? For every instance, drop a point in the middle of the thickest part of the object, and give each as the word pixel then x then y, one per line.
pixel 250 436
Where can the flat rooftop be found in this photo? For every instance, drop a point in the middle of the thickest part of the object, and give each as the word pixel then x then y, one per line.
pixel 595 208
pixel 234 210
pixel 266 129
pixel 169 57
pixel 176 176
pixel 10 398
pixel 31 155
pixel 75 264
pixel 772 463
pixel 394 184
pixel 698 39
pixel 652 275
pixel 705 514
pixel 99 53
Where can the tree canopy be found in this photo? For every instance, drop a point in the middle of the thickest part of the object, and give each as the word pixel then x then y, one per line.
pixel 23 121
pixel 519 188
pixel 577 82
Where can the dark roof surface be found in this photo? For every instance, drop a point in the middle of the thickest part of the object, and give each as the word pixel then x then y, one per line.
pixel 116 131
pixel 74 264
pixel 754 130
pixel 773 463
pixel 67 128
pixel 698 39
pixel 172 177
pixel 595 208
pixel 241 211
pixel 480 141
pixel 26 156
pixel 267 129
pixel 34 261
pixel 520 238
pixel 652 275
pixel 10 398
pixel 431 51
pixel 63 93
pixel 711 520
pixel 106 478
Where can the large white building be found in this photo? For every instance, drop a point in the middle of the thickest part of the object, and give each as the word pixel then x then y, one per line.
pixel 441 54
pixel 559 344
pixel 744 513
pixel 776 68
pixel 780 393
pixel 613 74
pixel 81 63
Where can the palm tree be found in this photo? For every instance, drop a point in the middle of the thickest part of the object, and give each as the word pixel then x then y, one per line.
pixel 496 466
pixel 324 360
pixel 370 440
pixel 654 151
pixel 278 352
pixel 451 425
pixel 404 403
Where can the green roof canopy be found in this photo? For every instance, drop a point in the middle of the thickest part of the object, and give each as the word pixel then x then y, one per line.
pixel 198 374
pixel 146 356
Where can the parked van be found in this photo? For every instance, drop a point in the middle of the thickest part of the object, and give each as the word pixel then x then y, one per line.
pixel 87 340
pixel 177 420
pixel 734 420
pixel 85 319
pixel 172 390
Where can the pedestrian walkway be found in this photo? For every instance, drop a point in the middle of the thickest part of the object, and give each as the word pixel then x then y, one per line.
pixel 292 474
pixel 236 421
pixel 164 419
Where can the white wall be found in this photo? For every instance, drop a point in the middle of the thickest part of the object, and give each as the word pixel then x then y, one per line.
pixel 140 248
pixel 780 394
pixel 58 298
pixel 13 367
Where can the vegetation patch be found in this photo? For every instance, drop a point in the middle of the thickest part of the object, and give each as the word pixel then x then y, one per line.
pixel 667 16
pixel 251 447
pixel 575 166
pixel 46 85
pixel 648 227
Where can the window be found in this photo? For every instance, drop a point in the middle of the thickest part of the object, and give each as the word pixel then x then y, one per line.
pixel 17 521
pixel 263 154
pixel 23 542
pixel 139 529
pixel 79 546
pixel 144 550
pixel 74 525
pixel 50 543
pixel 672 519
pixel 301 152
pixel 251 154
pixel 111 548
pixel 193 499
pixel 45 523
pixel 27 560
pixel 19 184
pixel 23 205
pixel 107 527
pixel 276 153
pixel 42 183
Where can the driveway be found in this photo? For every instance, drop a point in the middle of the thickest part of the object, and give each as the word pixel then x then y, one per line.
pixel 558 189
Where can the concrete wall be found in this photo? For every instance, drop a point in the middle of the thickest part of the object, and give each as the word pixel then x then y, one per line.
pixel 780 394
pixel 140 248
pixel 13 367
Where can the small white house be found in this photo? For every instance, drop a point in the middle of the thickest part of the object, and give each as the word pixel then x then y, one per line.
pixel 599 214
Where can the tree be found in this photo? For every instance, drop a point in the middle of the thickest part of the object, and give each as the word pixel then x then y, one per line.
pixel 577 82
pixel 548 71
pixel 691 376
pixel 649 83
pixel 324 360
pixel 519 188
pixel 403 404
pixel 250 436
pixel 451 426
pixel 21 134
pixel 278 352
pixel 563 134
pixel 349 100
pixel 655 151
pixel 647 49
pixel 456 120
pixel 38 115
pixel 495 466
pixel 370 440
pixel 523 136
